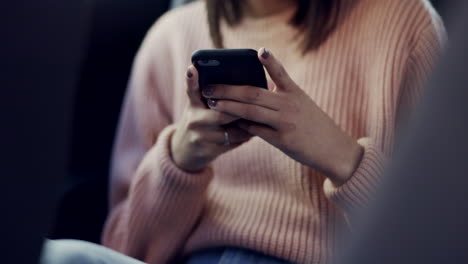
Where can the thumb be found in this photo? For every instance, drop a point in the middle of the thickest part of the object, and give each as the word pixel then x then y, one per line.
pixel 193 87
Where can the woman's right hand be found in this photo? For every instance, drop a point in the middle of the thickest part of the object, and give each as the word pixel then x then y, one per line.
pixel 200 134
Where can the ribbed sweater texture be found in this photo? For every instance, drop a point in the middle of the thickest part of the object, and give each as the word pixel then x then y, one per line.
pixel 367 77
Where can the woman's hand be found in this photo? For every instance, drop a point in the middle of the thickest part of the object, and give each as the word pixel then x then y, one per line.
pixel 289 119
pixel 200 135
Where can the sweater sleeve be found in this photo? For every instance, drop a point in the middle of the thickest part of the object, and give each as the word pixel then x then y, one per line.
pixel 425 51
pixel 153 204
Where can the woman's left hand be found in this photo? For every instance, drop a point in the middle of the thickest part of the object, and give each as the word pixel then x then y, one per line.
pixel 289 119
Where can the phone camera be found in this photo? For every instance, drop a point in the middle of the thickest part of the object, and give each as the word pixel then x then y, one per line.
pixel 209 63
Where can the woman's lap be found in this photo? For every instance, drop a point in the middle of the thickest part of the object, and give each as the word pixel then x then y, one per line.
pixel 81 252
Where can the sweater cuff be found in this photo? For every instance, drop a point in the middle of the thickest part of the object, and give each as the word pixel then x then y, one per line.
pixel 360 187
pixel 172 176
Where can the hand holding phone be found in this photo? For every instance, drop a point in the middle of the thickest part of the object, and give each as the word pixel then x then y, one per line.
pixel 199 137
pixel 229 66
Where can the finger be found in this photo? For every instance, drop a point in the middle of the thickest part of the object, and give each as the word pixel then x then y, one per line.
pixel 210 118
pixel 266 133
pixel 235 136
pixel 250 112
pixel 233 128
pixel 276 70
pixel 243 93
pixel 193 88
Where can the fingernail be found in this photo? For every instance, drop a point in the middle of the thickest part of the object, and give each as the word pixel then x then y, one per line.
pixel 265 54
pixel 207 91
pixel 189 74
pixel 212 102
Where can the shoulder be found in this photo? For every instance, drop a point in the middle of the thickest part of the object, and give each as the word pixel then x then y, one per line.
pixel 165 52
pixel 410 16
pixel 177 33
pixel 184 15
pixel 180 21
pixel 403 24
pixel 174 35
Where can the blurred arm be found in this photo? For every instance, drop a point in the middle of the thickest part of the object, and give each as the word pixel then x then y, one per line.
pixel 154 204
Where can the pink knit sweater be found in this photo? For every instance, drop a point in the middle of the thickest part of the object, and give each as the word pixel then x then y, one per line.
pixel 366 77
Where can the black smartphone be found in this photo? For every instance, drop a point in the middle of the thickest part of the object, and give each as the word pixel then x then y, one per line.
pixel 229 66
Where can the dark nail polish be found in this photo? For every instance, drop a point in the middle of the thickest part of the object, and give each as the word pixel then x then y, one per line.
pixel 265 54
pixel 207 91
pixel 212 102
pixel 189 74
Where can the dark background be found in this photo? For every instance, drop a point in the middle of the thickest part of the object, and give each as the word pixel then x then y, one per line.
pixel 117 28
pixel 41 48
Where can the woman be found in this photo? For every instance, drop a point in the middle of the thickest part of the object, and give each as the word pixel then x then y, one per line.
pixel 278 186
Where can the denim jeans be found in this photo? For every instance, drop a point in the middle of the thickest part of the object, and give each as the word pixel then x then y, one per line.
pixel 80 252
pixel 233 256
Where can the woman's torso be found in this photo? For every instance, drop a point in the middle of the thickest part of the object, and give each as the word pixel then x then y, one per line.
pixel 260 198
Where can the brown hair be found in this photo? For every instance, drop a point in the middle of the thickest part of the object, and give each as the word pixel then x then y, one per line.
pixel 317 19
